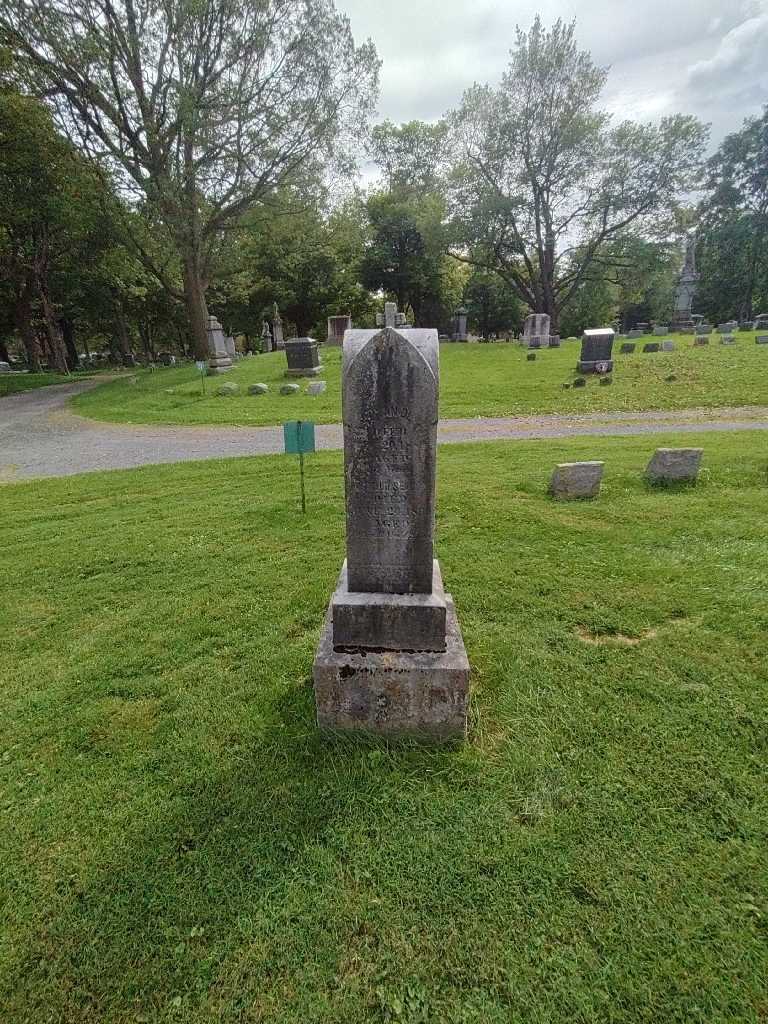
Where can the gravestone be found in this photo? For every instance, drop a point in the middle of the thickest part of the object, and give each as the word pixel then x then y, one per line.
pixel 531 357
pixel 258 389
pixel 266 337
pixel 554 341
pixel 668 346
pixel 627 348
pixel 761 339
pixel 302 357
pixel 596 351
pixel 316 387
pixel 747 325
pixel 229 342
pixel 289 389
pixel 727 339
pixel 5 367
pixel 576 480
pixel 459 332
pixel 674 465
pixel 700 342
pixel 651 346
pixel 390 317
pixel 277 330
pixel 635 333
pixel 219 359
pixel 704 328
pixel 660 332
pixel 761 322
pixel 337 325
pixel 645 328
pixel 536 328
pixel 391 658
pixel 230 388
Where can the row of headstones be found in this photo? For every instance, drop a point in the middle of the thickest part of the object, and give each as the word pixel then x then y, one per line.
pixel 571 480
pixel 660 331
pixel 628 347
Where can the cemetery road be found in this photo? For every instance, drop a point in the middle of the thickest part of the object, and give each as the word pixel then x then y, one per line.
pixel 40 437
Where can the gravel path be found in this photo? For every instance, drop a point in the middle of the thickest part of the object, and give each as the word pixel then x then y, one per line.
pixel 40 437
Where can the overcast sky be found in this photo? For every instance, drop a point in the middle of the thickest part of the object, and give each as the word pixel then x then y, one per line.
pixel 703 57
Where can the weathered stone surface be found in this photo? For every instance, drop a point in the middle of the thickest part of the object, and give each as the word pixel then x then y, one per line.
pixel 727 339
pixel 627 348
pixel 258 389
pixel 419 693
pixel 761 339
pixel 395 622
pixel 389 403
pixel 5 367
pixel 289 389
pixel 459 325
pixel 597 351
pixel 673 465
pixel 317 387
pixel 554 341
pixel 303 357
pixel 635 333
pixel 651 346
pixel 576 480
pixel 660 332
pixel 761 321
pixel 390 317
pixel 219 359
pixel 230 388
pixel 537 326
pixel 667 346
pixel 700 342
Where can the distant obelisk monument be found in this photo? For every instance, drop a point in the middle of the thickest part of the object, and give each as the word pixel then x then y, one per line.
pixel 391 658
pixel 686 286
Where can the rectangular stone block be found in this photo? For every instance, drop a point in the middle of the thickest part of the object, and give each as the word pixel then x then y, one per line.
pixel 572 480
pixel 397 622
pixel 303 357
pixel 700 342
pixel 761 339
pixel 651 346
pixel 667 346
pixel 394 692
pixel 674 465
pixel 596 351
pixel 627 348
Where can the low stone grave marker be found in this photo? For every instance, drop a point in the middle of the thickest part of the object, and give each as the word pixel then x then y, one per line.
pixel 289 389
pixel 660 331
pixel 651 346
pixel 576 480
pixel 667 346
pixel 627 348
pixel 258 389
pixel 316 387
pixel 727 339
pixel 230 388
pixel 531 357
pixel 674 465
pixel 761 339
pixel 700 342
pixel 302 357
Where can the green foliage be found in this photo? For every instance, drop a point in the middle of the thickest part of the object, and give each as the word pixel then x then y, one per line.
pixel 178 843
pixel 492 305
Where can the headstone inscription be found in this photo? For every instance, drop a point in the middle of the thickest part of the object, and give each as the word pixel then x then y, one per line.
pixel 391 657
pixel 302 357
pixel 337 325
pixel 219 359
pixel 597 351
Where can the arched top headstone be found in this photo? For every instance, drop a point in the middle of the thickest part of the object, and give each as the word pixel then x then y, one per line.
pixel 390 403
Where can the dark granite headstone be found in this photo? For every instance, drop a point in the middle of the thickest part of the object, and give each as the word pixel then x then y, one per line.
pixel 627 348
pixel 596 351
pixel 303 357
pixel 651 346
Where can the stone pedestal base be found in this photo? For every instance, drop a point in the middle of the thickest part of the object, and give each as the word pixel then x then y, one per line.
pixel 595 366
pixel 396 622
pixel 219 364
pixel 305 371
pixel 394 692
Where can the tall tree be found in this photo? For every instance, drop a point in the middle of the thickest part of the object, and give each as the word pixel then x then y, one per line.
pixel 202 106
pixel 410 156
pixel 734 218
pixel 542 182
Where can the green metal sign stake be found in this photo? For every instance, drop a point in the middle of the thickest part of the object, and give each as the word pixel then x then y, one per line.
pixel 299 437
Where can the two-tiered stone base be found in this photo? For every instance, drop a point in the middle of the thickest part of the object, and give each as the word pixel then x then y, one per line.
pixel 416 689
pixel 219 364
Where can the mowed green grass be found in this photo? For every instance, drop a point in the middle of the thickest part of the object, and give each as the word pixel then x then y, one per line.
pixel 179 843
pixel 476 380
pixel 12 383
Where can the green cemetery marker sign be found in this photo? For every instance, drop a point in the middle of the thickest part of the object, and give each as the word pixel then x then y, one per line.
pixel 299 438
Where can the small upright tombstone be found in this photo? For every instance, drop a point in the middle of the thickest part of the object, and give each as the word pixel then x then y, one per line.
pixel 536 328
pixel 572 480
pixel 674 465
pixel 760 322
pixel 459 332
pixel 700 342
pixel 668 345
pixel 597 351
pixel 660 331
pixel 651 346
pixel 761 339
pixel 337 326
pixel 391 658
pixel 219 359
pixel 727 339
pixel 627 348
pixel 302 357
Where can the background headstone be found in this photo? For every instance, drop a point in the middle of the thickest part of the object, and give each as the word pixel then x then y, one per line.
pixel 576 480
pixel 674 465
pixel 303 358
pixel 219 359
pixel 337 326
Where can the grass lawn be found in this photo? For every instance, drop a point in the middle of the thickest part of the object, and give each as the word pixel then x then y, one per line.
pixel 12 383
pixel 178 843
pixel 476 380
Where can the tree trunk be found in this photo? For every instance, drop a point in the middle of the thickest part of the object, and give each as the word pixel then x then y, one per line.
pixel 197 310
pixel 5 356
pixel 22 315
pixel 54 339
pixel 68 334
pixel 123 338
